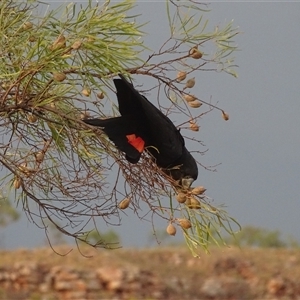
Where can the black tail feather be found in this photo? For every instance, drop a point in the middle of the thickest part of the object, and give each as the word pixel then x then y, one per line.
pixel 117 129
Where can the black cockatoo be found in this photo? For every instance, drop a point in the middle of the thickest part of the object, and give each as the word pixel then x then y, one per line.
pixel 142 126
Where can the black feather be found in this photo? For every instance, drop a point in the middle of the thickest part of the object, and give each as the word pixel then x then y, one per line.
pixel 162 139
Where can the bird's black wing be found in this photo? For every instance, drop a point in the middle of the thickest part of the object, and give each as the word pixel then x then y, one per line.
pixel 167 144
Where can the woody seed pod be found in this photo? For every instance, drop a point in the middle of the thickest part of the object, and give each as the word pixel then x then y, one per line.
pixel 39 157
pixel 189 98
pixel 32 39
pixel 171 230
pixel 195 53
pixel 86 92
pixel 124 203
pixel 76 45
pixel 194 126
pixel 181 197
pixel 199 190
pixel 23 168
pixel 27 25
pixel 193 49
pixel 17 183
pixel 31 118
pixel 181 75
pixel 188 202
pixel 190 83
pixel 195 104
pixel 59 43
pixel 52 105
pixel 59 76
pixel 195 204
pixel 100 95
pixel 185 223
pixel 225 115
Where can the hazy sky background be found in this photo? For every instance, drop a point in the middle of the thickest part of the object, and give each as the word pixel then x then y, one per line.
pixel 259 147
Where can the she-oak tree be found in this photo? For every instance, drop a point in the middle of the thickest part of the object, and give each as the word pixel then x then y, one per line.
pixel 57 69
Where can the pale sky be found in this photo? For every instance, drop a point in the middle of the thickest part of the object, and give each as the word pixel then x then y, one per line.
pixel 258 148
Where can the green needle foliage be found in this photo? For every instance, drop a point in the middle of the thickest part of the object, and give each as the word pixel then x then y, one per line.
pixel 56 68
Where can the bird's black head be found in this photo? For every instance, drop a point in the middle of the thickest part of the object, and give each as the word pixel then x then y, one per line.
pixel 186 182
pixel 185 171
pixel 182 179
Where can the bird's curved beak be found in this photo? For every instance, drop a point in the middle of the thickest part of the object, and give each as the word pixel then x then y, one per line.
pixel 187 182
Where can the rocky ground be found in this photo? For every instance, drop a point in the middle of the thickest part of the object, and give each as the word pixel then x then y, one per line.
pixel 158 273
